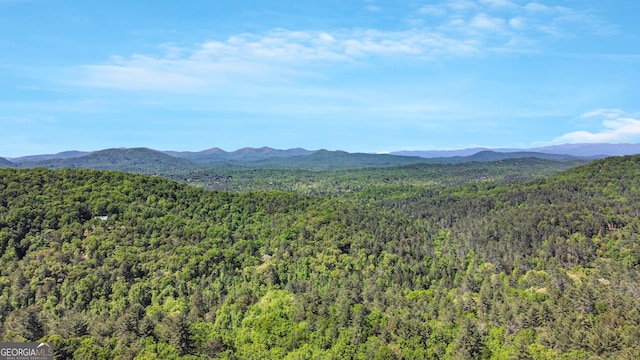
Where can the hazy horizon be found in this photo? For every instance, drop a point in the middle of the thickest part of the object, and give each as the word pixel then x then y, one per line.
pixel 408 152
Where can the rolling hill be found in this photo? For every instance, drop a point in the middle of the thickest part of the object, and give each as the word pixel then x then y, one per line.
pixel 61 155
pixel 579 150
pixel 216 155
pixel 333 160
pixel 326 160
pixel 138 160
pixel 489 156
pixel 4 163
pixel 179 165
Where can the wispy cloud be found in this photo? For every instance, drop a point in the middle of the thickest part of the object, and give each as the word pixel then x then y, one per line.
pixel 539 18
pixel 486 22
pixel 617 126
pixel 460 5
pixel 455 28
pixel 432 10
pixel 253 58
pixel 372 8
pixel 603 113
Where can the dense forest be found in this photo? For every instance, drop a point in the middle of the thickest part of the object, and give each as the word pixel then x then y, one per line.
pixel 110 265
pixel 351 181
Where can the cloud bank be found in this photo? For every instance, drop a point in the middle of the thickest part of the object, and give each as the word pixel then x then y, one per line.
pixel 617 127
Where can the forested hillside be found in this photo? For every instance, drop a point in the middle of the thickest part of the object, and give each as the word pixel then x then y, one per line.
pixel 356 180
pixel 135 160
pixel 112 265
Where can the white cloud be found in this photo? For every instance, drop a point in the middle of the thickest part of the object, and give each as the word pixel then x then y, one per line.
pixel 561 21
pixel 603 113
pixel 617 127
pixel 432 10
pixel 461 5
pixel 537 7
pixel 136 75
pixel 536 18
pixel 518 23
pixel 485 22
pixel 276 55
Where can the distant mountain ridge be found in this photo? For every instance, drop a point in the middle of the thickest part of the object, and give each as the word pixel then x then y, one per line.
pixel 590 150
pixel 139 160
pixel 598 150
pixel 149 161
pixel 61 155
pixel 489 155
pixel 216 155
pixel 4 163
pixel 325 159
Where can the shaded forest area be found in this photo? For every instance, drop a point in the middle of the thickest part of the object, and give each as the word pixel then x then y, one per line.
pixel 108 265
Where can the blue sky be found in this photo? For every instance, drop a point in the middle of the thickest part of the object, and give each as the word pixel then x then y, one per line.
pixel 357 75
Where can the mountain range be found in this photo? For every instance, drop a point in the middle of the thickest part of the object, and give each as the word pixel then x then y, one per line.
pixel 597 150
pixel 149 161
pixel 216 155
pixel 4 163
pixel 138 160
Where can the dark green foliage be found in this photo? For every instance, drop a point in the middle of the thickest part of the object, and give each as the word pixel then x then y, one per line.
pixel 112 265
pixel 377 182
